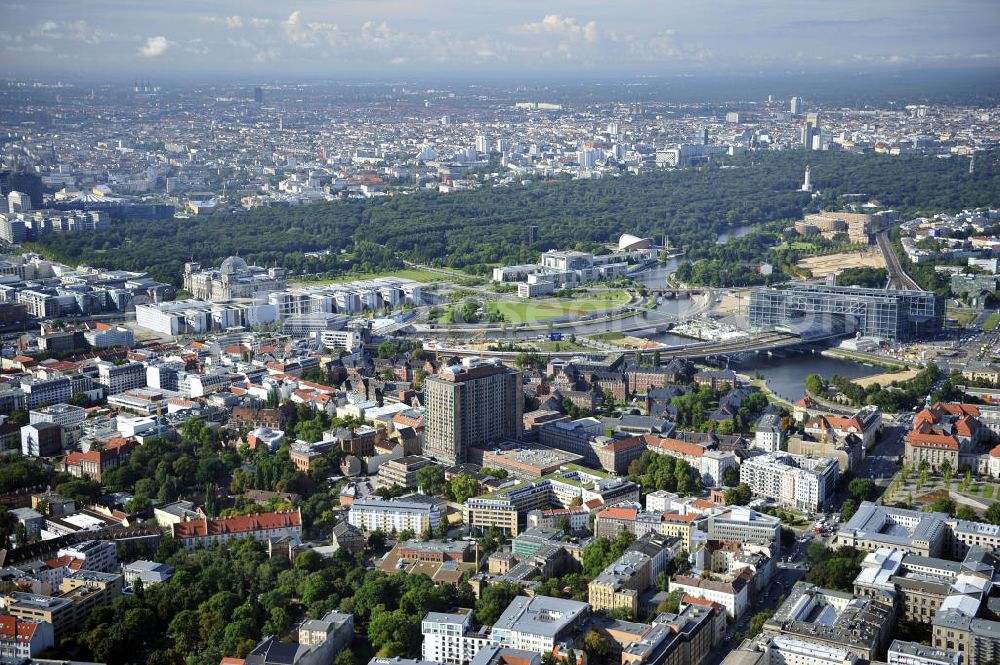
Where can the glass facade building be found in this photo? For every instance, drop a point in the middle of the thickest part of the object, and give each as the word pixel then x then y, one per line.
pixel 897 316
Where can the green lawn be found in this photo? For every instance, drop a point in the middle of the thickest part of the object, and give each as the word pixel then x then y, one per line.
pixel 992 322
pixel 551 308
pixel 962 315
pixel 416 274
pixel 564 345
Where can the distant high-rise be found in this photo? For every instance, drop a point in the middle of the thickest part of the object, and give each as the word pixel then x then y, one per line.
pixel 471 406
pixel 810 129
pixel 807 182
pixel 613 128
pixel 482 145
pixel 795 106
pixel 258 95
pixel 12 229
pixel 503 145
pixel 18 202
pixel 587 158
pixel 704 135
pixel 532 235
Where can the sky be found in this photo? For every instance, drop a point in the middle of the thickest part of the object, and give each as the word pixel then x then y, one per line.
pixel 346 38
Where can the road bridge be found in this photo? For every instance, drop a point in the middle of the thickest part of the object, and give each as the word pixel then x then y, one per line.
pixel 758 343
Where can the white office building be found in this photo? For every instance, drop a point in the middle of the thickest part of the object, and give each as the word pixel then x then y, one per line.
pixel 97 555
pixel 53 390
pixel 119 378
pixel 768 436
pixel 793 481
pixel 914 653
pixel 340 339
pixel 449 638
pixel 538 624
pixel 66 415
pixel 194 317
pixel 415 512
pixel 784 650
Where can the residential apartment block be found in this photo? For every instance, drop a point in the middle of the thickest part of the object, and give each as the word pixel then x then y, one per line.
pixel 471 406
pixel 415 513
pixel 801 483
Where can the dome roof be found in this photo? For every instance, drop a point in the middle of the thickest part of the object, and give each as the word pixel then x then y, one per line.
pixel 232 266
pixel 629 241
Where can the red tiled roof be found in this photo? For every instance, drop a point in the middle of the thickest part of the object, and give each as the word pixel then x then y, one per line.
pixel 73 458
pixel 675 446
pixel 958 409
pixel 818 422
pixel 15 629
pixel 238 524
pixel 704 602
pixel 677 517
pixel 926 440
pixel 926 416
pixel 966 426
pixel 844 424
pixel 619 445
pixel 614 513
pixel 180 401
pixel 65 561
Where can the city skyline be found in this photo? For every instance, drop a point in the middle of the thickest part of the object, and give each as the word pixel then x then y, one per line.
pixel 425 38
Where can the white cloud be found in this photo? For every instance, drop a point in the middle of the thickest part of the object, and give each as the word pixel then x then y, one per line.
pixel 79 31
pixel 294 29
pixel 196 47
pixel 308 34
pixel 266 55
pixel 154 47
pixel 379 33
pixel 562 26
pixel 236 22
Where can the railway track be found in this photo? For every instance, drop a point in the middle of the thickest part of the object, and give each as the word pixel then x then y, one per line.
pixel 898 279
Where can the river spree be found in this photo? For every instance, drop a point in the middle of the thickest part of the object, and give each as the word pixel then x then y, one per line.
pixel 735 232
pixel 787 376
